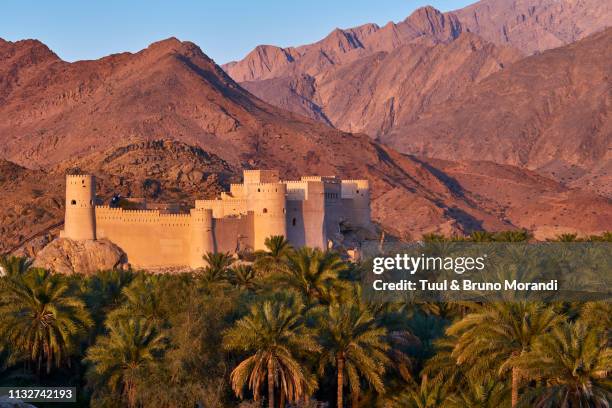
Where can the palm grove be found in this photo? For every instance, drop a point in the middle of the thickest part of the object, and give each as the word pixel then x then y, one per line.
pixel 289 327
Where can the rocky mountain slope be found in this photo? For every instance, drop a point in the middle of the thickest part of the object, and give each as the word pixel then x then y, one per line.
pixel 168 123
pixel 342 46
pixel 551 111
pixel 378 93
pixel 535 25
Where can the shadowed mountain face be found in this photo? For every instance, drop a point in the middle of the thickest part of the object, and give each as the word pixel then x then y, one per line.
pixel 168 123
pixel 551 111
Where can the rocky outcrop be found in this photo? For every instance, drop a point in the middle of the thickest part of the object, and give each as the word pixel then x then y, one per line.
pixel 85 257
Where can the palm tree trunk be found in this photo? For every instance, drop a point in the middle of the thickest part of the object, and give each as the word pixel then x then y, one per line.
pixel 515 386
pixel 270 383
pixel 340 380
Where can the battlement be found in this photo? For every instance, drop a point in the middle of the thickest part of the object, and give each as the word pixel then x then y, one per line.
pixel 323 179
pixel 359 183
pixel 260 176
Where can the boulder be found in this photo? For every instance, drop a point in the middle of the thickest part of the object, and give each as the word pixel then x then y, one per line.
pixel 85 257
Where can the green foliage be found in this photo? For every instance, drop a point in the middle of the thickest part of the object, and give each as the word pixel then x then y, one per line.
pixel 273 336
pixel 353 343
pixel 41 319
pixel 572 364
pixel 312 273
pixel 287 327
pixel 14 266
pixel 123 358
pixel 218 266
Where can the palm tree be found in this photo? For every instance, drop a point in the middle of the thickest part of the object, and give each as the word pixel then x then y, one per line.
pixel 313 273
pixel 273 259
pixel 41 319
pixel 481 393
pixel 425 395
pixel 568 238
pixel 244 276
pixel 218 265
pixel 353 342
pixel 513 236
pixel 143 298
pixel 496 334
pixel 481 236
pixel 103 291
pixel 574 363
pixel 120 359
pixel 274 336
pixel 14 265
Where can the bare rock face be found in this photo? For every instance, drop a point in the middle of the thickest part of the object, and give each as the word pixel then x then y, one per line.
pixel 84 257
pixel 535 25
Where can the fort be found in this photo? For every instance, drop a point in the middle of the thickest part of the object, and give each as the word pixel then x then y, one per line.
pixel 307 212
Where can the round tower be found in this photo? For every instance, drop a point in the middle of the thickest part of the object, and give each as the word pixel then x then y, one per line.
pixel 80 219
pixel 201 238
pixel 268 203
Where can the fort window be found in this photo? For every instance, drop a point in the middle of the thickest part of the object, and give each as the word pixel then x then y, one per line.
pixel 265 210
pixel 259 190
pixel 73 202
pixel 293 222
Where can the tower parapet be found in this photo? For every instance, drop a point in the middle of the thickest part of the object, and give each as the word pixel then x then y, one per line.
pixel 80 219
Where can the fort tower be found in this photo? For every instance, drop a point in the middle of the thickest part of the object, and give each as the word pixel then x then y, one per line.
pixel 80 219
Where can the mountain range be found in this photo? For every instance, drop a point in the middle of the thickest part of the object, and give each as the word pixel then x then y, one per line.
pixel 169 123
pixel 481 83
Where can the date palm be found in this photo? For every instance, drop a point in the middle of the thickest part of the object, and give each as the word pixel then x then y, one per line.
pixel 492 337
pixel 479 393
pixel 353 343
pixel 120 359
pixel 244 276
pixel 143 297
pixel 425 395
pixel 274 336
pixel 41 319
pixel 273 258
pixel 12 266
pixel 218 266
pixel 574 362
pixel 313 273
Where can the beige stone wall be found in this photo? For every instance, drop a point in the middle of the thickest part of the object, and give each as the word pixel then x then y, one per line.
pixel 149 239
pixel 234 233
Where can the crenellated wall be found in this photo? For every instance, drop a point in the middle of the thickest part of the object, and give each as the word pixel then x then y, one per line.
pixel 308 212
